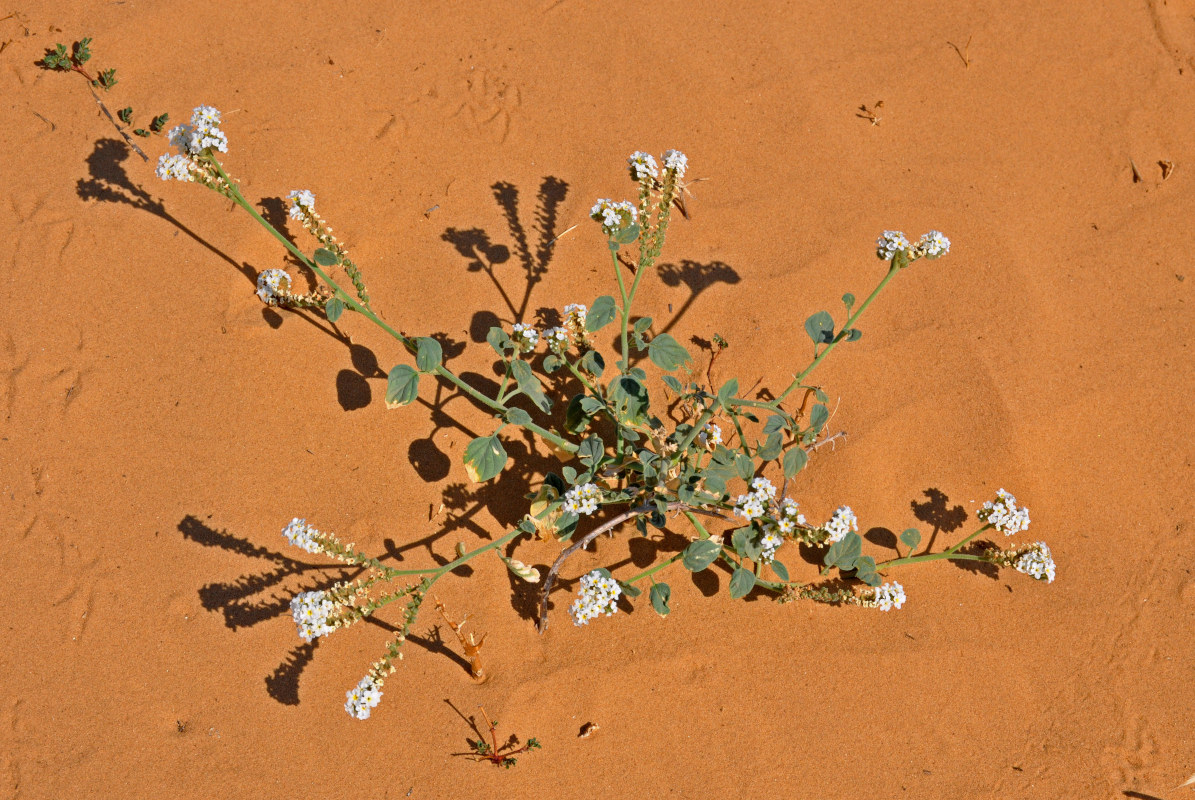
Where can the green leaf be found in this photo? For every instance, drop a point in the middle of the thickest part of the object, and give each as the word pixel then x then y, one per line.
pixel 601 313
pixel 795 461
pixel 747 543
pixel 629 399
pixel 727 392
pixel 742 581
pixel 848 300
pixel 642 324
pixel 126 115
pixel 820 395
pixel 575 418
pixel 517 416
pixel 820 328
pixel 700 554
pixel 428 354
pixel 159 122
pixel 844 552
pixel 661 593
pixel 334 309
pixel 402 386
pixel 744 466
pixel 593 363
pixel 499 340
pixel 818 417
pixel 854 335
pixel 911 538
pixel 630 589
pixel 667 353
pixel 529 384
pixel 326 258
pixel 780 570
pixel 591 451
pixel 485 457
pixel 626 235
pixel 552 362
pixel 570 474
pixel 775 423
pixel 865 570
pixel 591 405
pixel 771 447
pixel 673 384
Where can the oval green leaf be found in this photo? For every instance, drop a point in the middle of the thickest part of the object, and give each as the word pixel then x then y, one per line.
pixel 795 461
pixel 334 309
pixel 428 354
pixel 601 313
pixel 667 353
pixel 741 582
pixel 661 593
pixel 326 258
pixel 700 554
pixel 485 457
pixel 402 386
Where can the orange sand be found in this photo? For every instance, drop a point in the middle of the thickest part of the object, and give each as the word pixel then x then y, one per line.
pixel 159 426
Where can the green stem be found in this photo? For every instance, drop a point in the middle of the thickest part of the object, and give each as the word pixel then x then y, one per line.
pixel 698 427
pixel 653 570
pixel 409 344
pixel 896 562
pixel 850 323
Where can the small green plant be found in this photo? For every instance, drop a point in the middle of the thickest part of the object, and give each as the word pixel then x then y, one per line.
pixel 641 435
pixel 500 755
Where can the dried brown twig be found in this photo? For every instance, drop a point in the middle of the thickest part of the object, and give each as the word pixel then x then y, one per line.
pixel 471 646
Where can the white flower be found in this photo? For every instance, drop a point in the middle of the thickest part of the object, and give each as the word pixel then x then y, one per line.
pixel 614 216
pixel 176 167
pixel 574 321
pixel 311 611
pixel 643 166
pixel 1003 514
pixel 763 486
pixel 205 116
pixel 302 202
pixel 842 523
pixel 582 500
pixel 676 161
pixel 364 696
pixel 180 137
pixel 934 244
pixel 770 541
pixel 203 133
pixel 272 284
pixel 884 597
pixel 710 436
pixel 599 595
pixel 890 243
pixel 524 336
pixel 1036 562
pixel 558 340
pixel 303 536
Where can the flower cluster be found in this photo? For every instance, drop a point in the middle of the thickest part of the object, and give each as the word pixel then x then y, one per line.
pixel 890 243
pixel 303 536
pixel 524 336
pixel 202 134
pixel 643 166
pixel 755 504
pixel 769 542
pixel 175 168
pixel 599 595
pixel 273 287
pixel 302 204
pixel 676 161
pixel 933 245
pixel 582 499
pixel 363 697
pixel 1036 561
pixel 710 436
pixel 884 597
pixel 787 521
pixel 614 217
pixel 312 612
pixel 1003 514
pixel 558 340
pixel 842 523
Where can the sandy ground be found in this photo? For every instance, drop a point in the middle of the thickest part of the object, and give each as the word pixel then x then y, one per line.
pixel 159 426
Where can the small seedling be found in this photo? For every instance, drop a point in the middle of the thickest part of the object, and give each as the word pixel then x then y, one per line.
pixel 500 755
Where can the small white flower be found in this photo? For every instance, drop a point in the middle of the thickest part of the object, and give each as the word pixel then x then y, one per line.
pixel 311 611
pixel 302 202
pixel 524 336
pixel 303 536
pixel 205 116
pixel 1036 562
pixel 710 436
pixel 1003 514
pixel 272 284
pixel 175 167
pixel 558 340
pixel 891 243
pixel 364 696
pixel 884 597
pixel 934 244
pixel 582 500
pixel 842 523
pixel 599 595
pixel 643 166
pixel 676 161
pixel 614 217
pixel 763 486
pixel 770 541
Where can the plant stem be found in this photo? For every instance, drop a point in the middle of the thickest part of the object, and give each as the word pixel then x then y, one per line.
pixel 850 323
pixel 896 562
pixel 653 570
pixel 409 344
